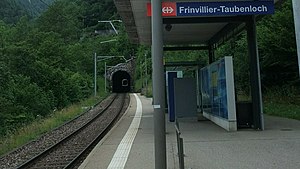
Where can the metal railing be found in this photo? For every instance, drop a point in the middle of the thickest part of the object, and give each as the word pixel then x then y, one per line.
pixel 179 146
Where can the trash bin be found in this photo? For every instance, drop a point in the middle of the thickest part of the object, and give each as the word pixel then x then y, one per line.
pixel 244 114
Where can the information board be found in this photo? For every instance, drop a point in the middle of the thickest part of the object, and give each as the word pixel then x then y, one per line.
pixel 217 91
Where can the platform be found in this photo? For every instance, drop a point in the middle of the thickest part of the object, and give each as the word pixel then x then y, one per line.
pixel 206 145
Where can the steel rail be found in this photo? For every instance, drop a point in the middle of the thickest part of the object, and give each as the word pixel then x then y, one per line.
pixel 56 128
pixel 96 140
pixel 30 162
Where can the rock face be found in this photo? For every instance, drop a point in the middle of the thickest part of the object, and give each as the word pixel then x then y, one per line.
pixel 34 7
pixel 12 10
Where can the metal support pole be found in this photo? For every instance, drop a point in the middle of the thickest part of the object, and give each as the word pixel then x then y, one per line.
pixel 146 73
pixel 112 25
pixel 105 76
pixel 179 145
pixel 181 154
pixel 296 9
pixel 258 120
pixel 142 78
pixel 95 74
pixel 198 89
pixel 211 54
pixel 158 86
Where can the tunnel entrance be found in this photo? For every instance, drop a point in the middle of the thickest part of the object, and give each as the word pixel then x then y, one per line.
pixel 121 82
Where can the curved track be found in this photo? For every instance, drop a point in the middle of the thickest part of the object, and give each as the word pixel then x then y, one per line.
pixel 69 151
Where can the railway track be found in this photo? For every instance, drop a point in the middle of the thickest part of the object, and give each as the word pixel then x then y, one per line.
pixel 72 148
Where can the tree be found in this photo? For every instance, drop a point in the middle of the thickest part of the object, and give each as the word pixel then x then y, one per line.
pixel 63 18
pixel 47 63
pixel 278 47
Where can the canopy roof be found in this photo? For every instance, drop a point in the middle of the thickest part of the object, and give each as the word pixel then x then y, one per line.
pixel 201 30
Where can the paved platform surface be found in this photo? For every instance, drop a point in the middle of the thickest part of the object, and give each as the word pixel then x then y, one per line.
pixel 206 145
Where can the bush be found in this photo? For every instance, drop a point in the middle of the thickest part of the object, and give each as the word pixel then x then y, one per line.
pixel 21 102
pixel 78 87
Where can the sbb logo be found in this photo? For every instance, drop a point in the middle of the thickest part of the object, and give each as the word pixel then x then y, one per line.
pixel 168 9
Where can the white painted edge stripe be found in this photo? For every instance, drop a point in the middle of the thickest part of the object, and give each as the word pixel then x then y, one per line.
pixel 121 155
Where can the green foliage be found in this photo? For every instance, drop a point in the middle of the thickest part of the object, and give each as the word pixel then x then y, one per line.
pixel 283 94
pixel 21 102
pixel 179 56
pixel 62 18
pixel 277 51
pixel 278 63
pixel 143 63
pixel 282 101
pixel 278 47
pixel 78 87
pixel 123 47
pixel 10 12
pixel 29 95
pixel 39 126
pixel 282 110
pixel 237 48
pixel 47 64
pixel 97 10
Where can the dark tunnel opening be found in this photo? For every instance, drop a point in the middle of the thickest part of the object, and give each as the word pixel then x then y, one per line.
pixel 121 82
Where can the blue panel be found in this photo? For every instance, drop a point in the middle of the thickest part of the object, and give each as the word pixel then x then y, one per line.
pixel 214 93
pixel 171 101
pixel 262 7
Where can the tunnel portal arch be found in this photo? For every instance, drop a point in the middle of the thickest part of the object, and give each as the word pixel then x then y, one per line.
pixel 121 82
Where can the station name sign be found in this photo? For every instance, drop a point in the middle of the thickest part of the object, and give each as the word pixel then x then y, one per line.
pixel 262 7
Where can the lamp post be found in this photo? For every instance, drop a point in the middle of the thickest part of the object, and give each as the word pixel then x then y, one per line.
pixel 105 77
pixel 146 73
pixel 296 6
pixel 95 74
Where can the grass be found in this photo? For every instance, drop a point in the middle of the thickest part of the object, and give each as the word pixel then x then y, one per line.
pixel 282 102
pixel 138 86
pixel 282 110
pixel 149 89
pixel 41 126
